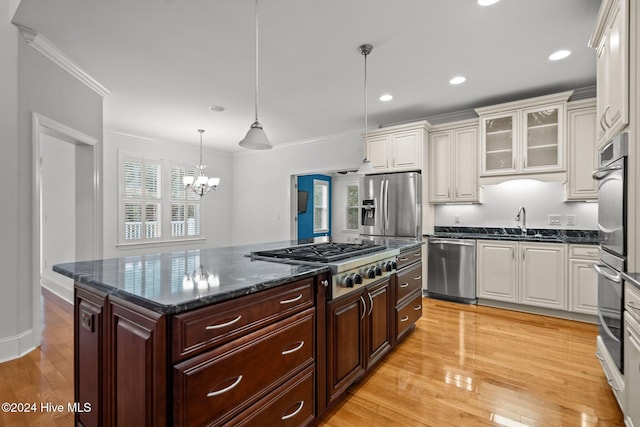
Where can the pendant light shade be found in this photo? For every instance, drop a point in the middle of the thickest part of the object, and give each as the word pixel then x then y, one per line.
pixel 256 138
pixel 366 166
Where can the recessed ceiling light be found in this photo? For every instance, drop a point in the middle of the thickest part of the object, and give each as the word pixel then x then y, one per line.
pixel 457 80
pixel 487 2
pixel 561 54
pixel 386 97
pixel 216 108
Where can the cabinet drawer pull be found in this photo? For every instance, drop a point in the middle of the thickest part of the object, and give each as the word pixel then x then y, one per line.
pixel 604 117
pixel 418 277
pixel 364 307
pixel 403 259
pixel 287 301
pixel 294 413
pixel 633 305
pixel 404 319
pixel 293 350
pixel 417 255
pixel 595 253
pixel 371 301
pixel 417 307
pixel 404 285
pixel 223 325
pixel 612 384
pixel 599 356
pixel 226 389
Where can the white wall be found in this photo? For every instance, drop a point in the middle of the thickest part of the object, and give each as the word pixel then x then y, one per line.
pixel 262 183
pixel 58 172
pixel 216 205
pixel 500 204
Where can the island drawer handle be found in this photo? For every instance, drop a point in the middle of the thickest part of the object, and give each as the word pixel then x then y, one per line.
pixel 417 254
pixel 223 325
pixel 293 350
pixel 403 259
pixel 417 307
pixel 404 285
pixel 287 301
pixel 294 413
pixel 404 319
pixel 226 389
pixel 418 277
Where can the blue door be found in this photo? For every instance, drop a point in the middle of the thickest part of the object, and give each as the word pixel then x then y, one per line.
pixel 314 216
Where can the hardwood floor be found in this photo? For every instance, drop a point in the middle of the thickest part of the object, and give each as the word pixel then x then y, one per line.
pixel 462 366
pixel 473 366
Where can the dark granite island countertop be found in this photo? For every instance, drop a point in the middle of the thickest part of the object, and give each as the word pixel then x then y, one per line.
pixel 164 282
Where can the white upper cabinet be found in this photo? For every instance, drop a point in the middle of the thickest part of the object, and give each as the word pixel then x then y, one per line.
pixel 583 159
pixel 523 137
pixel 611 41
pixel 397 148
pixel 453 165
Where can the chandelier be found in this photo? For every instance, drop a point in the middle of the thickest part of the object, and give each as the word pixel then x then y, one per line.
pixel 201 184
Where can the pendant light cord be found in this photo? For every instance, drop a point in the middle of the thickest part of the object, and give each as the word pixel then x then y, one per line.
pixel 256 60
pixel 366 113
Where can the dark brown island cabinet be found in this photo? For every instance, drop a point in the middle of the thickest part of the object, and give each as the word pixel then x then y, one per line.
pixel 276 357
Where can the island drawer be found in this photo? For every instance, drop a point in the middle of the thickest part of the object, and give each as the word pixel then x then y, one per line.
pixel 407 315
pixel 409 280
pixel 204 328
pixel 409 257
pixel 584 251
pixel 290 405
pixel 211 388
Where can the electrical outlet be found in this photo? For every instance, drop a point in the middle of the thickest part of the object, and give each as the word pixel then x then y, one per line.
pixel 571 220
pixel 555 219
pixel 456 219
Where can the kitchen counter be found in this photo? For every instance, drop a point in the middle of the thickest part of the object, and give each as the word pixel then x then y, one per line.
pixel 632 278
pixel 164 282
pixel 582 237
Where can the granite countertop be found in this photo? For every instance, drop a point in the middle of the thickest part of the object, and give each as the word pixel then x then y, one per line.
pixel 632 278
pixel 164 282
pixel 583 237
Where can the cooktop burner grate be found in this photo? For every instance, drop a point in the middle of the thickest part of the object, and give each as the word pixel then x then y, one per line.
pixel 322 252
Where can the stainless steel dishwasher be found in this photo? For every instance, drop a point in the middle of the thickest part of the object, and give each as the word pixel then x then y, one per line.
pixel 452 270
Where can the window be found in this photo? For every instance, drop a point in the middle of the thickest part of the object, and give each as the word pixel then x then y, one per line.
pixel 185 205
pixel 320 206
pixel 151 211
pixel 142 204
pixel 352 207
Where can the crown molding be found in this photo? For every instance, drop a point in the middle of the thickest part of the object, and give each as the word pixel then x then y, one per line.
pixel 48 49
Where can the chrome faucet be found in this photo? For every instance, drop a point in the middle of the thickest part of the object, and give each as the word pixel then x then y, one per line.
pixel 522 211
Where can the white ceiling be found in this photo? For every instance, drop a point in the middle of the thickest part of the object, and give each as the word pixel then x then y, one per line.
pixel 166 61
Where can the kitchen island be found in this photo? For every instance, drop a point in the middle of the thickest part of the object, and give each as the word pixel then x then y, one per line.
pixel 200 337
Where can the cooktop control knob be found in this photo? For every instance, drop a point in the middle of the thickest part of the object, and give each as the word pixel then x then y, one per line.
pixel 347 282
pixel 357 278
pixel 388 266
pixel 371 272
pixel 378 271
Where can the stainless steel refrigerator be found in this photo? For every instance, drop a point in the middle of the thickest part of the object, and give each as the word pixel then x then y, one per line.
pixel 391 205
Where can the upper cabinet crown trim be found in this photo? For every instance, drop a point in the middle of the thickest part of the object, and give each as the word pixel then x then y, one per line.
pixel 601 23
pixel 455 125
pixel 48 49
pixel 523 103
pixel 423 124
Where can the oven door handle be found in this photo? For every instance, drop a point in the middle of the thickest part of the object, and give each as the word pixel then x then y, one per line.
pixel 601 173
pixel 599 268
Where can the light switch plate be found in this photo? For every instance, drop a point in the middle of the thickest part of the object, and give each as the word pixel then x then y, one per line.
pixel 555 219
pixel 571 220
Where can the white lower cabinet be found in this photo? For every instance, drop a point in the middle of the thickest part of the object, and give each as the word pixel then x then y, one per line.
pixel 632 356
pixel 523 272
pixel 583 279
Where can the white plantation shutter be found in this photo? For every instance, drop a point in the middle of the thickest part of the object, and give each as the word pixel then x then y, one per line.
pixel 142 195
pixel 185 205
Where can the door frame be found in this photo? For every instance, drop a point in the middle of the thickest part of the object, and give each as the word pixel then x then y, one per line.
pixel 44 125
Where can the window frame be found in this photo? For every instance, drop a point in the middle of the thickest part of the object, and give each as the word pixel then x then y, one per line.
pixel 325 207
pixel 347 207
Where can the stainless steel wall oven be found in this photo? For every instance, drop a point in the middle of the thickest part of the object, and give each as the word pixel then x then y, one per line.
pixel 611 176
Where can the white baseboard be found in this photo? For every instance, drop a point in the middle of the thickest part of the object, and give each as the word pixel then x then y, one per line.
pixel 16 346
pixel 58 287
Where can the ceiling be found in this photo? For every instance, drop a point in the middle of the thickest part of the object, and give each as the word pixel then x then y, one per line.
pixel 166 61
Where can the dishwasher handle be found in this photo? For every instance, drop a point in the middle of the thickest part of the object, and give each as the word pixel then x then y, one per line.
pixel 451 242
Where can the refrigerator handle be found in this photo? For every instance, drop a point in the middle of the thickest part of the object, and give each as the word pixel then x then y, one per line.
pixel 382 207
pixel 386 205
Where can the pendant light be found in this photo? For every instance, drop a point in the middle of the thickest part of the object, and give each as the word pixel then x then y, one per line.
pixel 201 184
pixel 256 138
pixel 366 166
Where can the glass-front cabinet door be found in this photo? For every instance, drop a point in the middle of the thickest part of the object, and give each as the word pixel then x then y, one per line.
pixel 499 143
pixel 542 139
